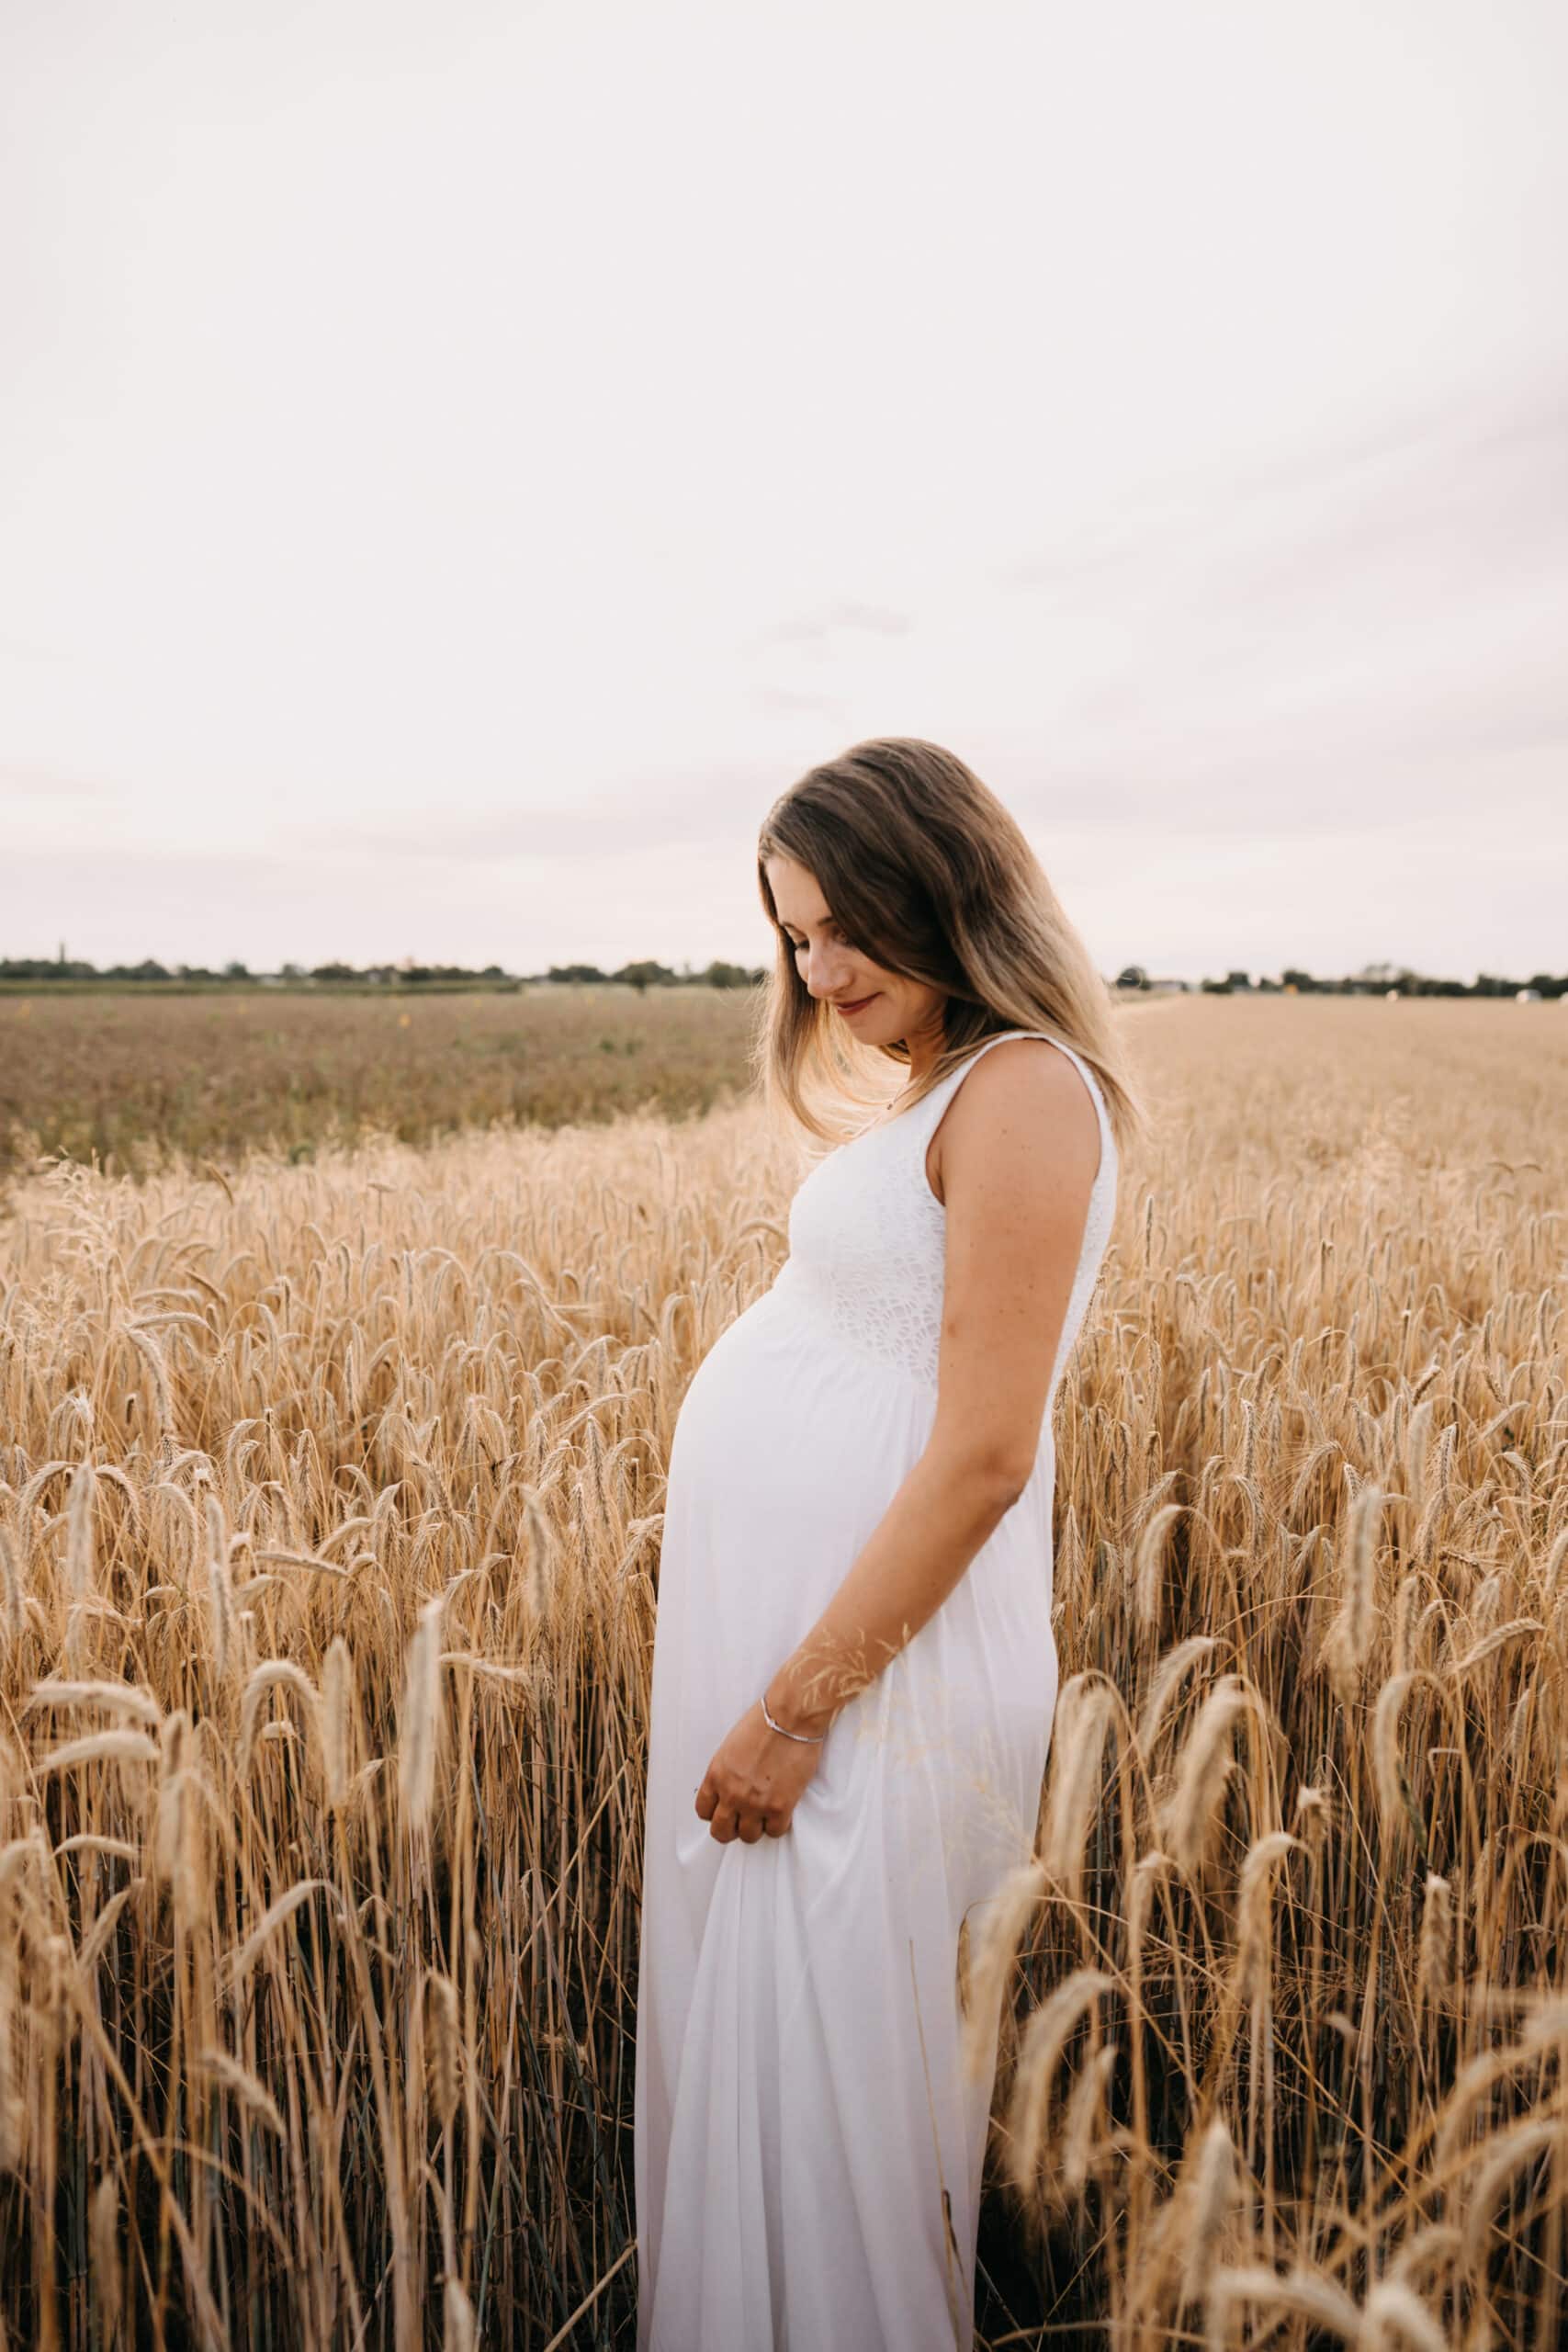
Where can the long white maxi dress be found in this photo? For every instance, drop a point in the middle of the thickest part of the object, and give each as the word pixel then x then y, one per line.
pixel 808 2144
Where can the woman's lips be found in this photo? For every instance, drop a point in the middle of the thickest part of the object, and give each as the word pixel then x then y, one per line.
pixel 859 1004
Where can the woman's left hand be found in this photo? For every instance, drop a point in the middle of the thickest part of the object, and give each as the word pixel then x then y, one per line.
pixel 755 1780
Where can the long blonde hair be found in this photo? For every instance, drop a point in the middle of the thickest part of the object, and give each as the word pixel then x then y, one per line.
pixel 930 876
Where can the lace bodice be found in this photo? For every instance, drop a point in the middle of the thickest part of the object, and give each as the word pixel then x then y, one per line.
pixel 867 1234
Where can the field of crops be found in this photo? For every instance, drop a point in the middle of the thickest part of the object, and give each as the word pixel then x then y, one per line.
pixel 330 1497
pixel 129 1076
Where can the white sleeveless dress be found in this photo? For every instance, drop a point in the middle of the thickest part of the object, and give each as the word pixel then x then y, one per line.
pixel 808 2146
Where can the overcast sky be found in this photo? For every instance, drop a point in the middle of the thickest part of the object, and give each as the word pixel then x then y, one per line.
pixel 459 463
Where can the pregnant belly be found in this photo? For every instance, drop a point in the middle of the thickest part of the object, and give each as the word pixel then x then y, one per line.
pixel 787 1451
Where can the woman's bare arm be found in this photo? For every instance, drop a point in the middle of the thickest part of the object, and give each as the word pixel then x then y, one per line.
pixel 1015 1157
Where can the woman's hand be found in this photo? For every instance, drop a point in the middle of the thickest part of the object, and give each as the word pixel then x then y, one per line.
pixel 755 1780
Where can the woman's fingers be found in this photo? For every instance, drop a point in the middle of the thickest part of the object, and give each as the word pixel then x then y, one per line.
pixel 729 1822
pixel 730 1818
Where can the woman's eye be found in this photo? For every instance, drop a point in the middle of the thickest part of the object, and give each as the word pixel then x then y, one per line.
pixel 798 943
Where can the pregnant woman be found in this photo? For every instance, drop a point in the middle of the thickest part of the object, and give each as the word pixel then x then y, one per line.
pixel 853 1668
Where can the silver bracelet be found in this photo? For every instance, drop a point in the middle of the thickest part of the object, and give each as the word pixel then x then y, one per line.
pixel 812 1736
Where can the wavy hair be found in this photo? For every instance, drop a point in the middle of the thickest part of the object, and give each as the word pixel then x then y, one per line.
pixel 929 874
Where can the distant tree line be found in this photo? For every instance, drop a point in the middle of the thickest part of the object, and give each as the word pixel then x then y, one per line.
pixel 714 975
pixel 1372 980
pixel 717 975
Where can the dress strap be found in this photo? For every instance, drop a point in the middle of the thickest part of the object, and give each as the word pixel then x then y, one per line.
pixel 929 1110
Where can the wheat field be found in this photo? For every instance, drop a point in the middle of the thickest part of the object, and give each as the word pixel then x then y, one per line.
pixel 140 1081
pixel 330 1504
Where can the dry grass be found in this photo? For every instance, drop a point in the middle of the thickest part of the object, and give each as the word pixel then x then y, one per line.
pixel 329 1526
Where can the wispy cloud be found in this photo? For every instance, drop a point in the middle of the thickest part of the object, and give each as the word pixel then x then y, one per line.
pixel 790 699
pixel 836 621
pixel 708 807
pixel 24 648
pixel 49 785
pixel 1476 481
pixel 1366 633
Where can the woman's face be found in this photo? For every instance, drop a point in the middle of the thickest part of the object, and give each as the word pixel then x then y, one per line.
pixel 880 1007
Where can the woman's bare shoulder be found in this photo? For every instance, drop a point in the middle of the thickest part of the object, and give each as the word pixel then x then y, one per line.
pixel 1023 1099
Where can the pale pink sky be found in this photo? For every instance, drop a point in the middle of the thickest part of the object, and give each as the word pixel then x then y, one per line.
pixel 458 463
